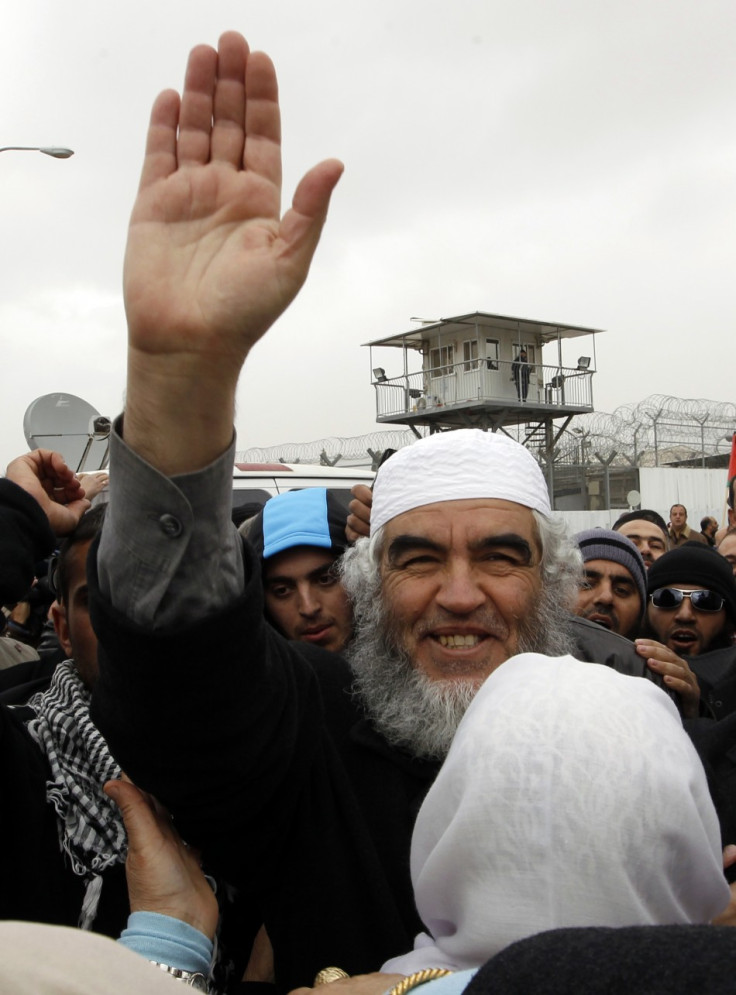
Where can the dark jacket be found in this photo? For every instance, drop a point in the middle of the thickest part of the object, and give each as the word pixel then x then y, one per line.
pixel 716 673
pixel 36 879
pixel 25 538
pixel 634 960
pixel 270 765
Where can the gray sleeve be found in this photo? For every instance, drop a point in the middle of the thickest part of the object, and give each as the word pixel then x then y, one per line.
pixel 169 552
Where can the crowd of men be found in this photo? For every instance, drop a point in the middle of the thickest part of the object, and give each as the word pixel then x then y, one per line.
pixel 391 753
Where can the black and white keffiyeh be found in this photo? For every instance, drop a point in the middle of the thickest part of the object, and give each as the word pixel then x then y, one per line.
pixel 91 829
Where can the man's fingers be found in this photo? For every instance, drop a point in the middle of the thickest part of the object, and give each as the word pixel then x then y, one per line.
pixel 160 158
pixel 142 825
pixel 673 671
pixel 262 150
pixel 312 196
pixel 197 107
pixel 359 519
pixel 228 130
pixel 302 225
pixel 356 529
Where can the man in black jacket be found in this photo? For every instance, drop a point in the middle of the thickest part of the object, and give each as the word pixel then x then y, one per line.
pixel 60 836
pixel 303 792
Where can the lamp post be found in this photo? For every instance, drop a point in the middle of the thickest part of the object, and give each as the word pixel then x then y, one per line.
pixel 55 151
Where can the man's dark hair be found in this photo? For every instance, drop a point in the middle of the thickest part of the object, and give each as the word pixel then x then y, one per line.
pixel 705 522
pixel 89 526
pixel 645 514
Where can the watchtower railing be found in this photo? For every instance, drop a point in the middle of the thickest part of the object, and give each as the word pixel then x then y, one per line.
pixel 484 380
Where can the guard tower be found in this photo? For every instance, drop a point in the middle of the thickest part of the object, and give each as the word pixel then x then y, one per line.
pixel 486 371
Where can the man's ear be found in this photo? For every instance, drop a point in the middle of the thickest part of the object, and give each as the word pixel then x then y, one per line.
pixel 61 626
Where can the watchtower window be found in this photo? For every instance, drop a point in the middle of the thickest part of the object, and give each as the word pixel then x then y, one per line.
pixel 442 361
pixel 470 355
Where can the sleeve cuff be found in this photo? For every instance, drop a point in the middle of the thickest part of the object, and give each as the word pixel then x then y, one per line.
pixel 167 941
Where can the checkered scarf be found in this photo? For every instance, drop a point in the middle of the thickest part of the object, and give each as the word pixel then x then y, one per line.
pixel 91 829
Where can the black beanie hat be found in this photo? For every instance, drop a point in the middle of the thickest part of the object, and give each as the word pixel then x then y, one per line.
pixel 695 563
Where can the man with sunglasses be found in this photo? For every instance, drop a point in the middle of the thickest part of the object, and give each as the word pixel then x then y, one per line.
pixel 692 600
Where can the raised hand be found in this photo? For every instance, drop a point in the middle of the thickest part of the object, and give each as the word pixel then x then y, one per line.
pixel 163 874
pixel 210 262
pixel 47 478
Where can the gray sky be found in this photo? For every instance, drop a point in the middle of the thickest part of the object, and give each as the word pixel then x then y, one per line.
pixel 568 161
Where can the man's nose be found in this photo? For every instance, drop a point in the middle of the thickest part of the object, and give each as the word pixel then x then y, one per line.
pixel 460 592
pixel 308 603
pixel 604 593
pixel 685 611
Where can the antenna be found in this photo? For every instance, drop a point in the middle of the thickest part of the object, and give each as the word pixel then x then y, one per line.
pixel 70 426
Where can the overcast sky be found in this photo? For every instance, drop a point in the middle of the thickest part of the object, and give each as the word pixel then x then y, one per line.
pixel 566 161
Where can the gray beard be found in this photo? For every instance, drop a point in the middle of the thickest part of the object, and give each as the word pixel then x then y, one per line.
pixel 410 710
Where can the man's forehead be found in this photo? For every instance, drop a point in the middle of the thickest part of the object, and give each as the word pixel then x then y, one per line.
pixel 641 527
pixel 472 515
pixel 297 560
pixel 609 568
pixel 76 562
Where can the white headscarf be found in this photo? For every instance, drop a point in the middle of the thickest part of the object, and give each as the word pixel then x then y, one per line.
pixel 571 796
pixel 452 466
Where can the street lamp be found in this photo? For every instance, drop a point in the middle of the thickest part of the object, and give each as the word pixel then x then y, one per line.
pixel 55 151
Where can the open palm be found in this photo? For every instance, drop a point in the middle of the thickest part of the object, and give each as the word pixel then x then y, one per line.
pixel 210 262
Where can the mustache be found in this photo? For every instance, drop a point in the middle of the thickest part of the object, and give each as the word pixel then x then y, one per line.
pixel 606 610
pixel 483 618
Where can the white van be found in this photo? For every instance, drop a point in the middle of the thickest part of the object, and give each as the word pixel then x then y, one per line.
pixel 255 483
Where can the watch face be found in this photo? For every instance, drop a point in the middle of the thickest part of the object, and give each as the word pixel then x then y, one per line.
pixel 198 982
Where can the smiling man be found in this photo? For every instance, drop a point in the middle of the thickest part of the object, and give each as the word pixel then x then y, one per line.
pixel 614 587
pixel 464 569
pixel 299 771
pixel 692 600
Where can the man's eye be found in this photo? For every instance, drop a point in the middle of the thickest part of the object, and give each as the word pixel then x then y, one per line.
pixel 419 560
pixel 623 592
pixel 501 556
pixel 279 590
pixel 327 579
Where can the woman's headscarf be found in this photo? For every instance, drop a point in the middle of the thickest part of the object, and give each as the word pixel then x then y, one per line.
pixel 571 796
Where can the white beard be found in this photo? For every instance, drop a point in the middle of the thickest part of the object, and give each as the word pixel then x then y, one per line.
pixel 412 711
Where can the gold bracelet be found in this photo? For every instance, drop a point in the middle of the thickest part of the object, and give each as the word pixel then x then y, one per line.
pixel 418 978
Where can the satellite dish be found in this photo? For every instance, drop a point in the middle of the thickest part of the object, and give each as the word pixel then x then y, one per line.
pixel 70 426
pixel 634 499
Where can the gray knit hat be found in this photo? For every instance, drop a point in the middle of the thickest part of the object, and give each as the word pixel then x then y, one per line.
pixel 605 544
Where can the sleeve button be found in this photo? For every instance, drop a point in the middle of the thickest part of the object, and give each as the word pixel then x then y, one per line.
pixel 170 526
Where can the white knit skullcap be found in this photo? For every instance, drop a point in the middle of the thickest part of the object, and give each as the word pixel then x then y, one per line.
pixel 453 466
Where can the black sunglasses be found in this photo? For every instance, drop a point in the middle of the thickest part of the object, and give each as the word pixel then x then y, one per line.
pixel 702 601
